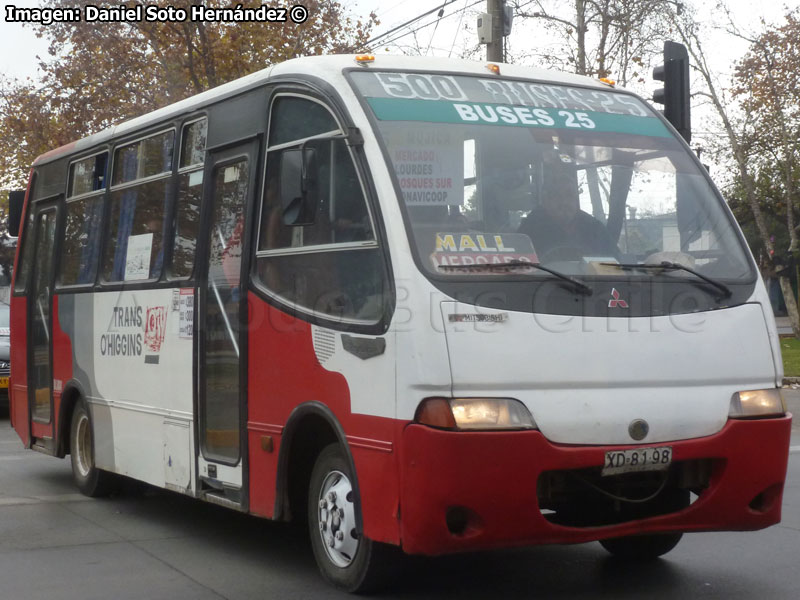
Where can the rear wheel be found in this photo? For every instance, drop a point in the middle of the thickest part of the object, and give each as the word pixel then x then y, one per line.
pixel 345 557
pixel 642 547
pixel 90 480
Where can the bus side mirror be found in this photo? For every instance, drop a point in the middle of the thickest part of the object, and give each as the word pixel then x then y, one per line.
pixel 16 200
pixel 299 191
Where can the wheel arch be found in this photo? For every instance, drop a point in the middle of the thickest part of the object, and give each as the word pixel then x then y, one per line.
pixel 73 392
pixel 311 427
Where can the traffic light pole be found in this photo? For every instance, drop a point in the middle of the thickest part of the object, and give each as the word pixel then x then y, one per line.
pixel 494 49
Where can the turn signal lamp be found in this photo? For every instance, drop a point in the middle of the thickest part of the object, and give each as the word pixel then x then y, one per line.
pixel 474 414
pixel 365 59
pixel 494 68
pixel 608 81
pixel 756 404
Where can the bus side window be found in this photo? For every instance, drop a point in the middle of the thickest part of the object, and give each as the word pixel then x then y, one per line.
pixel 139 188
pixel 80 249
pixel 81 245
pixel 295 118
pixel 333 266
pixel 187 205
pixel 341 214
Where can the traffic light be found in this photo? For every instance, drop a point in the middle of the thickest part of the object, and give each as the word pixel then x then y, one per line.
pixel 675 93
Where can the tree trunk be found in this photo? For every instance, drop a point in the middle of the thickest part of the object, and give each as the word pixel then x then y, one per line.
pixel 580 22
pixel 694 46
pixel 791 307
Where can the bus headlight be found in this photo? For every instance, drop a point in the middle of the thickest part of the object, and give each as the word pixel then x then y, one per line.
pixel 474 414
pixel 757 403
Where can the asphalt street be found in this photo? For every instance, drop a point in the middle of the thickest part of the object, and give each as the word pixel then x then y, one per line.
pixel 145 543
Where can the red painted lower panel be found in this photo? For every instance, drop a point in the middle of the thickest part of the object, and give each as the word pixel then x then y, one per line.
pixel 283 373
pixel 18 387
pixel 410 475
pixel 63 368
pixel 61 373
pixel 495 476
pixel 18 384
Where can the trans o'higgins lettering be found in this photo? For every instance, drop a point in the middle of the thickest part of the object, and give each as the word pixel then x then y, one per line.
pixel 123 343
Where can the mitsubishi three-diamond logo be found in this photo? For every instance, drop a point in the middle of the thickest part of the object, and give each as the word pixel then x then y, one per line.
pixel 616 301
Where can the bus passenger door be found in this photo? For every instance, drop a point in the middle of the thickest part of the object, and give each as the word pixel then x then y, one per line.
pixel 40 303
pixel 222 312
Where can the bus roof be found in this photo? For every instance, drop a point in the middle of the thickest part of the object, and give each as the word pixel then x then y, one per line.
pixel 324 67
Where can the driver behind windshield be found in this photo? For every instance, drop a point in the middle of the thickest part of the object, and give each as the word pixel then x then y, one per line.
pixel 559 229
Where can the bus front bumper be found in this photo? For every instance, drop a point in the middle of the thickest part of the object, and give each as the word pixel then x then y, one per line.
pixel 467 491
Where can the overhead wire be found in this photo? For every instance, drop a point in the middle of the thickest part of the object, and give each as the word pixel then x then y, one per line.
pixel 458 28
pixel 461 12
pixel 409 22
pixel 412 31
pixel 438 20
pixel 391 8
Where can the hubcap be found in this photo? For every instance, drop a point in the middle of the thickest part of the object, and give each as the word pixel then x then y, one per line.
pixel 337 519
pixel 83 449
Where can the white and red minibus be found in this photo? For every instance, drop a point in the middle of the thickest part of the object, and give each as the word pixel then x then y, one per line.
pixel 421 303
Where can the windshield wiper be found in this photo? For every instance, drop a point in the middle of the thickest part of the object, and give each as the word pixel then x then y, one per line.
pixel 673 266
pixel 577 284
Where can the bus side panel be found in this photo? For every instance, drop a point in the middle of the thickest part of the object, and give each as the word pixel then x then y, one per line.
pixel 285 372
pixel 137 354
pixel 62 361
pixel 18 409
pixel 18 384
pixel 61 373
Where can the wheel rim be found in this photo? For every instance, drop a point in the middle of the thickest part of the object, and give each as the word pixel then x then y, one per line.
pixel 83 446
pixel 337 519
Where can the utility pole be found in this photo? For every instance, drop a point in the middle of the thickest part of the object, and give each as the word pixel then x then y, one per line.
pixel 494 49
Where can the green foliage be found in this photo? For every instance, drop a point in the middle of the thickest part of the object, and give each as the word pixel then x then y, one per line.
pixel 769 191
pixel 790 349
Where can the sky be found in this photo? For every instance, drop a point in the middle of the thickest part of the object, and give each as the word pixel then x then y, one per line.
pixel 453 33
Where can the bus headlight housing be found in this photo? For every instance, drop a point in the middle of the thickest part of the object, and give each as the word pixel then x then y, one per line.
pixel 474 414
pixel 756 404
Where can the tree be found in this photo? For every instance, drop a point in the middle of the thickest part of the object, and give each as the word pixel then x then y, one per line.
pixel 737 123
pixel 767 83
pixel 599 38
pixel 99 74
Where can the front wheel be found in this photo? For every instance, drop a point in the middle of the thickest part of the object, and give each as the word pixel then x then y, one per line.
pixel 642 547
pixel 345 557
pixel 90 480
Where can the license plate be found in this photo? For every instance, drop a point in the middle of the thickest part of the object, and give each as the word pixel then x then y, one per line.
pixel 3 382
pixel 638 459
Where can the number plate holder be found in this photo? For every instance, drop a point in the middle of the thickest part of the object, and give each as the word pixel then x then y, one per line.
pixel 657 458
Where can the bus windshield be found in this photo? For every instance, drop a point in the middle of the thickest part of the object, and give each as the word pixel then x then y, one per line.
pixel 492 171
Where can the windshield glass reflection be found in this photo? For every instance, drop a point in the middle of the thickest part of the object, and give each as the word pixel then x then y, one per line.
pixel 568 186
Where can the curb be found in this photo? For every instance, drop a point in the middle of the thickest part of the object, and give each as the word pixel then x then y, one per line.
pixel 791 381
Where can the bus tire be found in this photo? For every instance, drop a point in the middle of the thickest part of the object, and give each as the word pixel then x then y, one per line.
pixel 349 561
pixel 642 547
pixel 90 480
